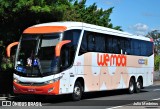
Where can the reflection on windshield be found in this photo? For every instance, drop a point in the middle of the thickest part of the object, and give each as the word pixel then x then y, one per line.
pixel 36 55
pixel 27 50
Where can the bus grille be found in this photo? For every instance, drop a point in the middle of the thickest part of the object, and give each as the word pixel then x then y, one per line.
pixel 32 84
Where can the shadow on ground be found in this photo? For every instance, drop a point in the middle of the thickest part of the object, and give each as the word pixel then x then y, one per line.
pixel 58 100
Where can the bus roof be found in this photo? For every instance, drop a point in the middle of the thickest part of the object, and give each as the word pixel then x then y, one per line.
pixel 63 26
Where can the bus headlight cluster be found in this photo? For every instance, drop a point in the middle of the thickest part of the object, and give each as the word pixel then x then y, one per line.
pixel 16 80
pixel 53 80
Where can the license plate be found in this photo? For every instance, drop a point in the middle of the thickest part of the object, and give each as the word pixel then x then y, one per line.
pixel 31 90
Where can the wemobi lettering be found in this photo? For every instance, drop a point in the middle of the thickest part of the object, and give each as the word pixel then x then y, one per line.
pixel 110 60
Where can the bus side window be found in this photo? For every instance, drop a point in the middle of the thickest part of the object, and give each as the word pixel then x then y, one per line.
pixel 69 50
pixel 99 43
pixel 108 44
pixel 136 48
pixel 91 42
pixel 128 46
pixel 121 45
pixel 143 51
pixel 83 47
pixel 65 58
pixel 115 46
pixel 149 50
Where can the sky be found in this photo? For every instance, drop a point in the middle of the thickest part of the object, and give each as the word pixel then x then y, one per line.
pixel 134 16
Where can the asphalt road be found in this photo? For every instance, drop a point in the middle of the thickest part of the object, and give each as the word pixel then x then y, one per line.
pixel 119 99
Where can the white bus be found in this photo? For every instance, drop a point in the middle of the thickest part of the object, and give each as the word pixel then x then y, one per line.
pixel 75 57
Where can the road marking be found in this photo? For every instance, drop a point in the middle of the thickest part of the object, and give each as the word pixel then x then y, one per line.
pixel 156 89
pixel 114 107
pixel 3 98
pixel 156 99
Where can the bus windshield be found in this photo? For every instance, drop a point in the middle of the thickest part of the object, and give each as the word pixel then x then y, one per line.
pixel 36 55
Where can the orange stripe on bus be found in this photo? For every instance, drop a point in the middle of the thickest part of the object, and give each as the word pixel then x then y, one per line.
pixel 45 29
pixel 8 50
pixel 59 45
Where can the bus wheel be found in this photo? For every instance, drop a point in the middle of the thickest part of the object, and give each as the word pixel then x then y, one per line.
pixel 138 86
pixel 131 87
pixel 77 91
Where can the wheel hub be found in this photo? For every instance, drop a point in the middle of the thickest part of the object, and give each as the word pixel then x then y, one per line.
pixel 138 85
pixel 131 87
pixel 77 91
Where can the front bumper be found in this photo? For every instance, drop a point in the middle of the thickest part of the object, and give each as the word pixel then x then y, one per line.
pixel 49 89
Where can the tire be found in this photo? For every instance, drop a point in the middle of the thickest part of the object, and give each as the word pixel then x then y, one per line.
pixel 138 86
pixel 131 87
pixel 77 92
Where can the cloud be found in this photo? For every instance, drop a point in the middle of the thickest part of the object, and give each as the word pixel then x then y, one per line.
pixel 139 28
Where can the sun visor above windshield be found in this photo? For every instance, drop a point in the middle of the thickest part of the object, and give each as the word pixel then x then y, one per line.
pixel 44 29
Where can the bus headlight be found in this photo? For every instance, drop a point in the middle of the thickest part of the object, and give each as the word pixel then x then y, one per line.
pixel 16 80
pixel 53 80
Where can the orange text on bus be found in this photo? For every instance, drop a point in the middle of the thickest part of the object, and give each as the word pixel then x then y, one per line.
pixel 110 60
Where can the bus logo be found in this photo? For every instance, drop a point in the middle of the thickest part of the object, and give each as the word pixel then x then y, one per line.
pixel 143 61
pixel 111 60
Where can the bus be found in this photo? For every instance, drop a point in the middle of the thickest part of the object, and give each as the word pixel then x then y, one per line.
pixel 75 57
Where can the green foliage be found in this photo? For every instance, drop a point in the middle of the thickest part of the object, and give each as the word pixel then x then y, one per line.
pixel 155 35
pixel 6 64
pixel 157 62
pixel 2 47
pixel 16 15
pixel 92 14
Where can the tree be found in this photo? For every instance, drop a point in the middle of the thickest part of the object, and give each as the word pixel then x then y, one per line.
pixel 92 14
pixel 155 35
pixel 157 62
pixel 16 15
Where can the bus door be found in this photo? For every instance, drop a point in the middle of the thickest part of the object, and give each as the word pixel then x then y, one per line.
pixel 66 66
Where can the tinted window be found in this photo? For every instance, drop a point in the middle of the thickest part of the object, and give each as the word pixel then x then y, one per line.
pixel 99 43
pixel 68 51
pixel 83 47
pixel 149 47
pixel 116 45
pixel 143 48
pixel 136 49
pixel 72 35
pixel 91 42
pixel 109 44
pixel 128 46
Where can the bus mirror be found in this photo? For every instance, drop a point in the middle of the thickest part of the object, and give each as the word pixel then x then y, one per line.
pixel 59 46
pixel 8 50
